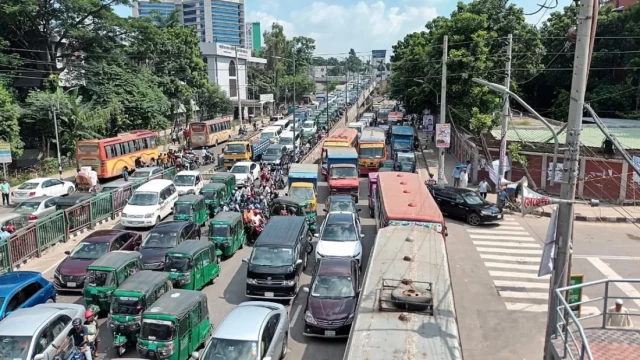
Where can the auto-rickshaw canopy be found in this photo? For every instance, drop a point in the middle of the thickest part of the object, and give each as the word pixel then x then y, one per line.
pixel 116 259
pixel 227 216
pixel 178 303
pixel 191 247
pixel 144 281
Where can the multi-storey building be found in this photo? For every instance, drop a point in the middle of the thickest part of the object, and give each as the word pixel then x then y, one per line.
pixel 253 36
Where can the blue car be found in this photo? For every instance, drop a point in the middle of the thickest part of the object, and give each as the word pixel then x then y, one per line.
pixel 24 289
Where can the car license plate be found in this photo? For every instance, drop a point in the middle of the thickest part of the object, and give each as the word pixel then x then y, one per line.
pixel 329 333
pixel 71 284
pixel 268 294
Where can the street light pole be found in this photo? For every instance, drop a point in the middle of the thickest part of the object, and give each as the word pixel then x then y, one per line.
pixel 505 117
pixel 55 128
pixel 443 106
pixel 294 106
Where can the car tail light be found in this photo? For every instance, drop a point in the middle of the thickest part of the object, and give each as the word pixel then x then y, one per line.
pixel 32 217
pixel 33 193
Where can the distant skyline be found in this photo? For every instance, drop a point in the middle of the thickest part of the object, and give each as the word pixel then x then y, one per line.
pixel 339 25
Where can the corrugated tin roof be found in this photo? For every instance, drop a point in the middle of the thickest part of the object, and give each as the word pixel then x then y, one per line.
pixel 591 136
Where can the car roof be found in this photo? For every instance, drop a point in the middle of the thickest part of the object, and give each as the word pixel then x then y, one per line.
pixel 455 189
pixel 333 198
pixel 154 185
pixel 335 266
pixel 188 172
pixel 189 198
pixel 175 224
pixel 38 180
pixel 227 216
pixel 275 146
pixel 9 281
pixel 36 199
pixel 281 230
pixel 241 323
pixel 244 163
pixel 105 235
pixel 25 322
pixel 271 128
pixel 150 168
pixel 339 217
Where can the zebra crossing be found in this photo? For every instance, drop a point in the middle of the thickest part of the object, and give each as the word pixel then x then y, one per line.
pixel 512 257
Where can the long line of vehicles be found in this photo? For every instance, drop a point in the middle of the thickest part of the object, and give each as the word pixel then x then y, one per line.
pixel 149 286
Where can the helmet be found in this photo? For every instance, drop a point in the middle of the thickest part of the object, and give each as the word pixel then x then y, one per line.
pixel 250 207
pixel 76 322
pixel 88 314
pixel 4 228
pixel 256 211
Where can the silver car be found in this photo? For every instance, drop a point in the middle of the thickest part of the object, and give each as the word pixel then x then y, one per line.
pixel 34 333
pixel 254 327
pixel 36 208
pixel 146 173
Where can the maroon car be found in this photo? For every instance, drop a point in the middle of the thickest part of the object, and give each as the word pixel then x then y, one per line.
pixel 70 274
pixel 332 300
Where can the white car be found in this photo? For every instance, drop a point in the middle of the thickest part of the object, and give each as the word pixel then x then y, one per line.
pixel 150 203
pixel 309 127
pixel 42 187
pixel 340 236
pixel 245 172
pixel 188 182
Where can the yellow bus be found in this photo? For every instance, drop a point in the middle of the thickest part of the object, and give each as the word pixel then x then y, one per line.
pixel 210 132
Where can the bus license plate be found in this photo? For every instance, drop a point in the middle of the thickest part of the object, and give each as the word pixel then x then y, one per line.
pixel 268 294
pixel 71 284
pixel 329 333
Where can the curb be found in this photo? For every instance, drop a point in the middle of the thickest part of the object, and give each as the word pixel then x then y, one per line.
pixel 607 219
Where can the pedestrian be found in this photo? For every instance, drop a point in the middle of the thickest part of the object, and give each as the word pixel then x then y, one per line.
pixel 5 187
pixel 502 196
pixel 483 188
pixel 469 167
pixel 618 315
pixel 125 173
pixel 464 178
pixel 456 176
pixel 4 234
pixel 431 180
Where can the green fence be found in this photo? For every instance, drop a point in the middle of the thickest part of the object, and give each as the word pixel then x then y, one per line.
pixel 51 230
pixel 5 258
pixel 101 207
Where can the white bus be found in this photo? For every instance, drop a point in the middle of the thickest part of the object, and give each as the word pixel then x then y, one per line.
pixel 406 308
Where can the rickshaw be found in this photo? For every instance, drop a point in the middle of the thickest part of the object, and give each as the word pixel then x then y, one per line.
pixel 373 184
pixel 214 194
pixel 128 302
pixel 193 264
pixel 175 326
pixel 107 273
pixel 299 207
pixel 83 182
pixel 226 230
pixel 191 207
pixel 228 179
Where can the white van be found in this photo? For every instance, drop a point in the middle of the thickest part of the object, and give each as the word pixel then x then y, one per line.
pixel 150 203
pixel 283 124
pixel 287 139
pixel 271 133
pixel 188 182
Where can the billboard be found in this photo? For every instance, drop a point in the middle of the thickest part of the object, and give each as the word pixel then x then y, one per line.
pixel 378 54
pixel 266 97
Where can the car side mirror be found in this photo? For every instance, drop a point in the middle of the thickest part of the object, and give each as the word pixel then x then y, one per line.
pixel 316 235
pixel 67 252
pixel 298 262
pixel 195 355
pixel 361 236
pixel 325 210
pixel 245 260
pixel 359 210
pixel 305 289
pixel 39 357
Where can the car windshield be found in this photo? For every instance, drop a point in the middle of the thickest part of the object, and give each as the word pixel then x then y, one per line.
pixel 160 239
pixel 372 152
pixel 218 230
pixel 338 232
pixel 285 141
pixel 344 172
pixel 89 251
pixel 157 330
pixel 100 278
pixel 473 198
pixel 308 125
pixel 141 174
pixel 28 186
pixel 302 193
pixel 276 152
pixel 126 305
pixel 177 264
pixel 333 287
pixel 235 148
pixel 27 206
pixel 342 206
pixel 266 135
pixel 184 180
pixel 272 256
pixel 182 209
pixel 15 347
pixel 240 169
pixel 144 199
pixel 227 349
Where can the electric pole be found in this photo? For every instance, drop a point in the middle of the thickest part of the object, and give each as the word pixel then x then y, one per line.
pixel 238 84
pixel 505 117
pixel 443 106
pixel 564 230
pixel 326 71
pixel 295 76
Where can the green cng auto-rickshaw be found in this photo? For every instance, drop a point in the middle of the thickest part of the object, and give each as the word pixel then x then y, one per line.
pixel 107 273
pixel 227 231
pixel 287 205
pixel 214 194
pixel 128 302
pixel 191 207
pixel 193 264
pixel 228 179
pixel 174 326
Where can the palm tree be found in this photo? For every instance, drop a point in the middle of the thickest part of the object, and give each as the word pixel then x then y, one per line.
pixel 166 21
pixel 82 120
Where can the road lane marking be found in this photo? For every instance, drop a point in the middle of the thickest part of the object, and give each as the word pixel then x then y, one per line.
pixel 608 257
pixel 519 259
pixel 498 237
pixel 607 271
pixel 520 275
pixel 510 251
pixel 522 284
pixel 524 295
pixel 506 244
pixel 526 307
pixel 497 231
pixel 511 266
pixel 295 316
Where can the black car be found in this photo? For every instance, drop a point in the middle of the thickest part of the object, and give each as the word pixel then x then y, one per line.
pixel 279 256
pixel 341 203
pixel 465 203
pixel 274 155
pixel 164 237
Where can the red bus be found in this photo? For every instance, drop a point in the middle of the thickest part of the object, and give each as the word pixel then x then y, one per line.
pixel 210 132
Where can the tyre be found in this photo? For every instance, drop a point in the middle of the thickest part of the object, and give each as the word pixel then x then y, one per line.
pixel 158 220
pixel 70 190
pixel 412 298
pixel 371 213
pixel 285 346
pixel 50 301
pixel 473 219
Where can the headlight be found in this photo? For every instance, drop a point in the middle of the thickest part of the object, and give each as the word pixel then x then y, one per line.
pixel 252 281
pixel 124 215
pixel 486 212
pixel 149 216
pixel 357 254
pixel 289 282
pixel 309 318
pixel 57 274
pixel 185 279
pixel 350 319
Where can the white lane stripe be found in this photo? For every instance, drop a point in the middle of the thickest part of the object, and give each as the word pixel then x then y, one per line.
pixel 505 238
pixel 522 284
pixel 498 237
pixel 501 227
pixel 511 266
pixel 526 307
pixel 524 295
pixel 518 259
pixel 507 218
pixel 295 316
pixel 506 244
pixel 510 251
pixel 607 257
pixel 497 232
pixel 519 275
pixel 607 271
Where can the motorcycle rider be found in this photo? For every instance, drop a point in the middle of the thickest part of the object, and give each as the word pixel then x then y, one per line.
pixel 256 219
pixel 248 215
pixel 225 207
pixel 204 155
pixel 92 330
pixel 79 335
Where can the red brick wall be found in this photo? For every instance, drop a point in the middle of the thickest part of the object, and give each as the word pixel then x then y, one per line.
pixel 602 180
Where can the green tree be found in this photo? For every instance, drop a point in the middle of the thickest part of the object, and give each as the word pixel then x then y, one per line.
pixel 333 84
pixel 353 62
pixel 9 115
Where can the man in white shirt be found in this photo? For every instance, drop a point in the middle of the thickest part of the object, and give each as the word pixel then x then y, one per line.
pixel 464 178
pixel 483 188
pixel 618 316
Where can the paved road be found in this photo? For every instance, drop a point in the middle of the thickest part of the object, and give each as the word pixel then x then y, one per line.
pixel 501 302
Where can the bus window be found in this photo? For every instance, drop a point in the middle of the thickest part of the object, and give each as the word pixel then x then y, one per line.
pixel 132 146
pixel 118 149
pixel 153 142
pixel 109 151
pixel 88 148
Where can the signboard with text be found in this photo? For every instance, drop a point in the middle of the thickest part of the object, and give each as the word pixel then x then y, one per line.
pixel 378 54
pixel 266 97
pixel 443 135
pixel 5 153
pixel 230 51
pixel 575 296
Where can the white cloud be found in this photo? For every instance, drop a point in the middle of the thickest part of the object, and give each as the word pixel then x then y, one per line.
pixel 363 26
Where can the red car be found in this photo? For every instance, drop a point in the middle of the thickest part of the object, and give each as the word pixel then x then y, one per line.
pixel 70 274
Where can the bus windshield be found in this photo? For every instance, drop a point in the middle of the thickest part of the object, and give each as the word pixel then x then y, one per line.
pixel 372 152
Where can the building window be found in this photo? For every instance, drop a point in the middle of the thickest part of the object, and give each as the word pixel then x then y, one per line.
pixel 233 90
pixel 189 19
pixel 232 68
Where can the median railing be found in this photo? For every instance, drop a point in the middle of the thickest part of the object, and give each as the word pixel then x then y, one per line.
pixel 31 240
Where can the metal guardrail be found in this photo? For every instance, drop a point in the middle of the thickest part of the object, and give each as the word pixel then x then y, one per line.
pixel 569 329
